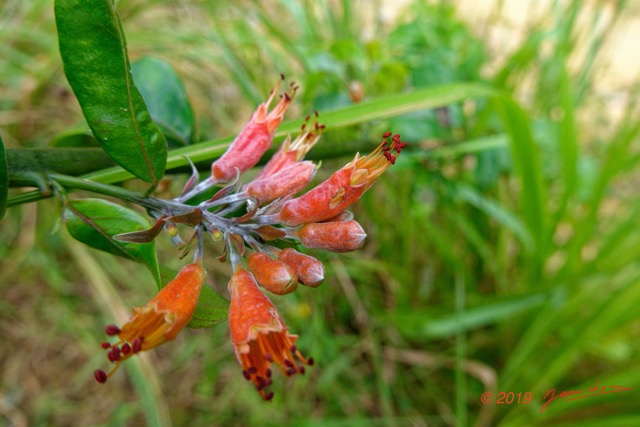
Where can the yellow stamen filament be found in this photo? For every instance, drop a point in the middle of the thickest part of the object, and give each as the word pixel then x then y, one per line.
pixel 370 167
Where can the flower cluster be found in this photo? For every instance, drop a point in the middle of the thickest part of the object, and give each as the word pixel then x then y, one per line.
pixel 248 218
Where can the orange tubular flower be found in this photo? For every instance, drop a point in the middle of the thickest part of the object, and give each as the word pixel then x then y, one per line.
pixel 254 140
pixel 157 322
pixel 259 335
pixel 343 188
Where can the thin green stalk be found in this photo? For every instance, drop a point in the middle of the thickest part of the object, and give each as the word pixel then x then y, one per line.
pixel 70 182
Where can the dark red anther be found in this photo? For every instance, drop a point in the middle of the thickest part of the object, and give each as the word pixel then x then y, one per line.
pixel 316 126
pixel 387 134
pixel 287 97
pixel 310 361
pixel 301 370
pixel 253 370
pixel 386 148
pixel 111 330
pixel 268 373
pixel 306 119
pixel 288 363
pixel 392 160
pixel 126 348
pixel 322 126
pixel 112 355
pixel 281 76
pixel 268 397
pixel 137 345
pixel 246 374
pixel 401 145
pixel 387 155
pixel 268 357
pixel 105 345
pixel 291 371
pixel 316 113
pixel 260 383
pixel 304 125
pixel 396 137
pixel 293 349
pixel 100 376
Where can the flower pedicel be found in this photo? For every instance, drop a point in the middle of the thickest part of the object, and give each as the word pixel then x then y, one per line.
pixel 317 219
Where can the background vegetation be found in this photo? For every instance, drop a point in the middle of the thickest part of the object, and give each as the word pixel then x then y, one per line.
pixel 503 247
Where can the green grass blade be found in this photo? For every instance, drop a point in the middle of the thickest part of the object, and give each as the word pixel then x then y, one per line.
pixel 4 180
pixel 376 109
pixel 528 168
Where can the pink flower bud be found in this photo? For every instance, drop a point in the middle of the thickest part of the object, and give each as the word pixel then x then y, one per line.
pixel 343 188
pixel 287 181
pixel 332 236
pixel 310 271
pixel 274 275
pixel 253 141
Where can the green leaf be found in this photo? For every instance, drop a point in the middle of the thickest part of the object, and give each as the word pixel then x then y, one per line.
pixel 4 180
pixel 166 99
pixel 94 53
pixel 211 309
pixel 94 222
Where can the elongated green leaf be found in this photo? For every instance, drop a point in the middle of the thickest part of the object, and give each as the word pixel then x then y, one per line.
pixel 166 99
pixel 497 212
pixel 94 222
pixel 375 109
pixel 421 325
pixel 211 309
pixel 527 164
pixel 364 112
pixel 4 180
pixel 94 53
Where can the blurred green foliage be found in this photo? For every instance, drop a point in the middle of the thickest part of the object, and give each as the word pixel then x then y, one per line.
pixel 502 251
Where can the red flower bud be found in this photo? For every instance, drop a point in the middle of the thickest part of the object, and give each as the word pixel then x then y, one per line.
pixel 310 271
pixel 287 181
pixel 331 236
pixel 274 275
pixel 343 188
pixel 253 141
